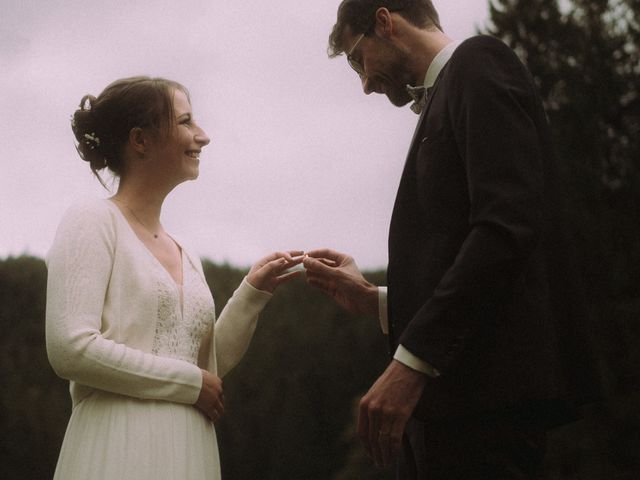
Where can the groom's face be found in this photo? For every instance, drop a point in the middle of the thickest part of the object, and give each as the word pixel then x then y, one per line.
pixel 384 67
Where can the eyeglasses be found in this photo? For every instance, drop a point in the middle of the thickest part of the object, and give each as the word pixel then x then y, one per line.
pixel 353 63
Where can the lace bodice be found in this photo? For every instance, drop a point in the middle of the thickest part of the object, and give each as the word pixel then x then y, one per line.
pixel 185 314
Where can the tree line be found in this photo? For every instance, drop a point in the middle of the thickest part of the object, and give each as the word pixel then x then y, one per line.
pixel 289 404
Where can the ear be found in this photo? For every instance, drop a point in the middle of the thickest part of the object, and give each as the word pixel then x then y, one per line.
pixel 138 141
pixel 384 23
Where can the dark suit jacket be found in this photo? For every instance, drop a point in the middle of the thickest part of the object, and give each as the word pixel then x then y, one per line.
pixel 478 280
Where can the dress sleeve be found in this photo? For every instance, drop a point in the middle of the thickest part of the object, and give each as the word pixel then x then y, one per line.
pixel 80 265
pixel 236 325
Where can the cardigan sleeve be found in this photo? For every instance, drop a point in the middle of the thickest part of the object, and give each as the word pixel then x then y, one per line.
pixel 79 265
pixel 236 325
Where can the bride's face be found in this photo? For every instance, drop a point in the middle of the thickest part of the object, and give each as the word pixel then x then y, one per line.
pixel 180 153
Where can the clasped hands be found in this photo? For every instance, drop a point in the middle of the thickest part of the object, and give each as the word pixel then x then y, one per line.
pixel 386 407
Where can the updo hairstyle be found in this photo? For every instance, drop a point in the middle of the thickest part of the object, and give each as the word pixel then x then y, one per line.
pixel 102 125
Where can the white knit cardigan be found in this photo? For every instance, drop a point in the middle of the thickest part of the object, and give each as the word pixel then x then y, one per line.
pixel 102 308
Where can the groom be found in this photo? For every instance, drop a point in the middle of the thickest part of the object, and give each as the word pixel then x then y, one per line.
pixel 481 304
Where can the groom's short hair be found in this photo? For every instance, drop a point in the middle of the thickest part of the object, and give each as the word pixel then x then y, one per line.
pixel 359 15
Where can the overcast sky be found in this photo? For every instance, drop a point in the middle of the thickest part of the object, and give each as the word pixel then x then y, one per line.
pixel 300 158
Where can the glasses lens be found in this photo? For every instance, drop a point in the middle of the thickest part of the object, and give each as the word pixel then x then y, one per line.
pixel 356 66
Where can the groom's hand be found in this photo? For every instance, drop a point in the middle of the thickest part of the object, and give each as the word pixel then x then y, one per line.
pixel 385 409
pixel 337 275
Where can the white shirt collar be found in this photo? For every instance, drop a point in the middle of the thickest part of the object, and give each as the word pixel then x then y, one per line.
pixel 418 93
pixel 438 63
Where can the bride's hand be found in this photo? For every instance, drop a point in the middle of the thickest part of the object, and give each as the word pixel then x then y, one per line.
pixel 269 272
pixel 211 399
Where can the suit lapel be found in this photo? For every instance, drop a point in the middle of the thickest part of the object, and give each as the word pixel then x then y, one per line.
pixel 423 115
pixel 407 173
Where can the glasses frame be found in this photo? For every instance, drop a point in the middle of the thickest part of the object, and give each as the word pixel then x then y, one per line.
pixel 353 63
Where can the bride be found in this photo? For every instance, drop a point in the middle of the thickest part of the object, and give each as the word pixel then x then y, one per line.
pixel 130 318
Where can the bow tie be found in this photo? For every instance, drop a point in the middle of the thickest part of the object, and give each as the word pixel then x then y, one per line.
pixel 419 96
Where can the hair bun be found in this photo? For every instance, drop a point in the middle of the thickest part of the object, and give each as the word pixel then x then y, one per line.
pixel 83 125
pixel 87 98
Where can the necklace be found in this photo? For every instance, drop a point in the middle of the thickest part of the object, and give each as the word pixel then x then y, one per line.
pixel 155 235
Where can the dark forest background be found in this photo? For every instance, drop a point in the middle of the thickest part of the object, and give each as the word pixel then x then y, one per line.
pixel 290 402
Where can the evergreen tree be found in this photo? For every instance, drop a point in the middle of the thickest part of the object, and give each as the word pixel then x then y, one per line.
pixel 584 57
pixel 586 63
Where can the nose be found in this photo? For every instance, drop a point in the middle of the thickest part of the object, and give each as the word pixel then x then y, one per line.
pixel 202 138
pixel 367 85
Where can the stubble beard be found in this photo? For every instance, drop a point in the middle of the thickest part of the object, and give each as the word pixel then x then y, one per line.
pixel 400 76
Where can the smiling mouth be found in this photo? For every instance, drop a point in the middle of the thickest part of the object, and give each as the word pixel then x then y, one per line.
pixel 195 154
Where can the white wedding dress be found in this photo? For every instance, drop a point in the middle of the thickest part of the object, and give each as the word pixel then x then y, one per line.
pixel 129 338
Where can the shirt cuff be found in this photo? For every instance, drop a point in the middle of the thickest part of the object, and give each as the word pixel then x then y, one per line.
pixel 382 310
pixel 410 360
